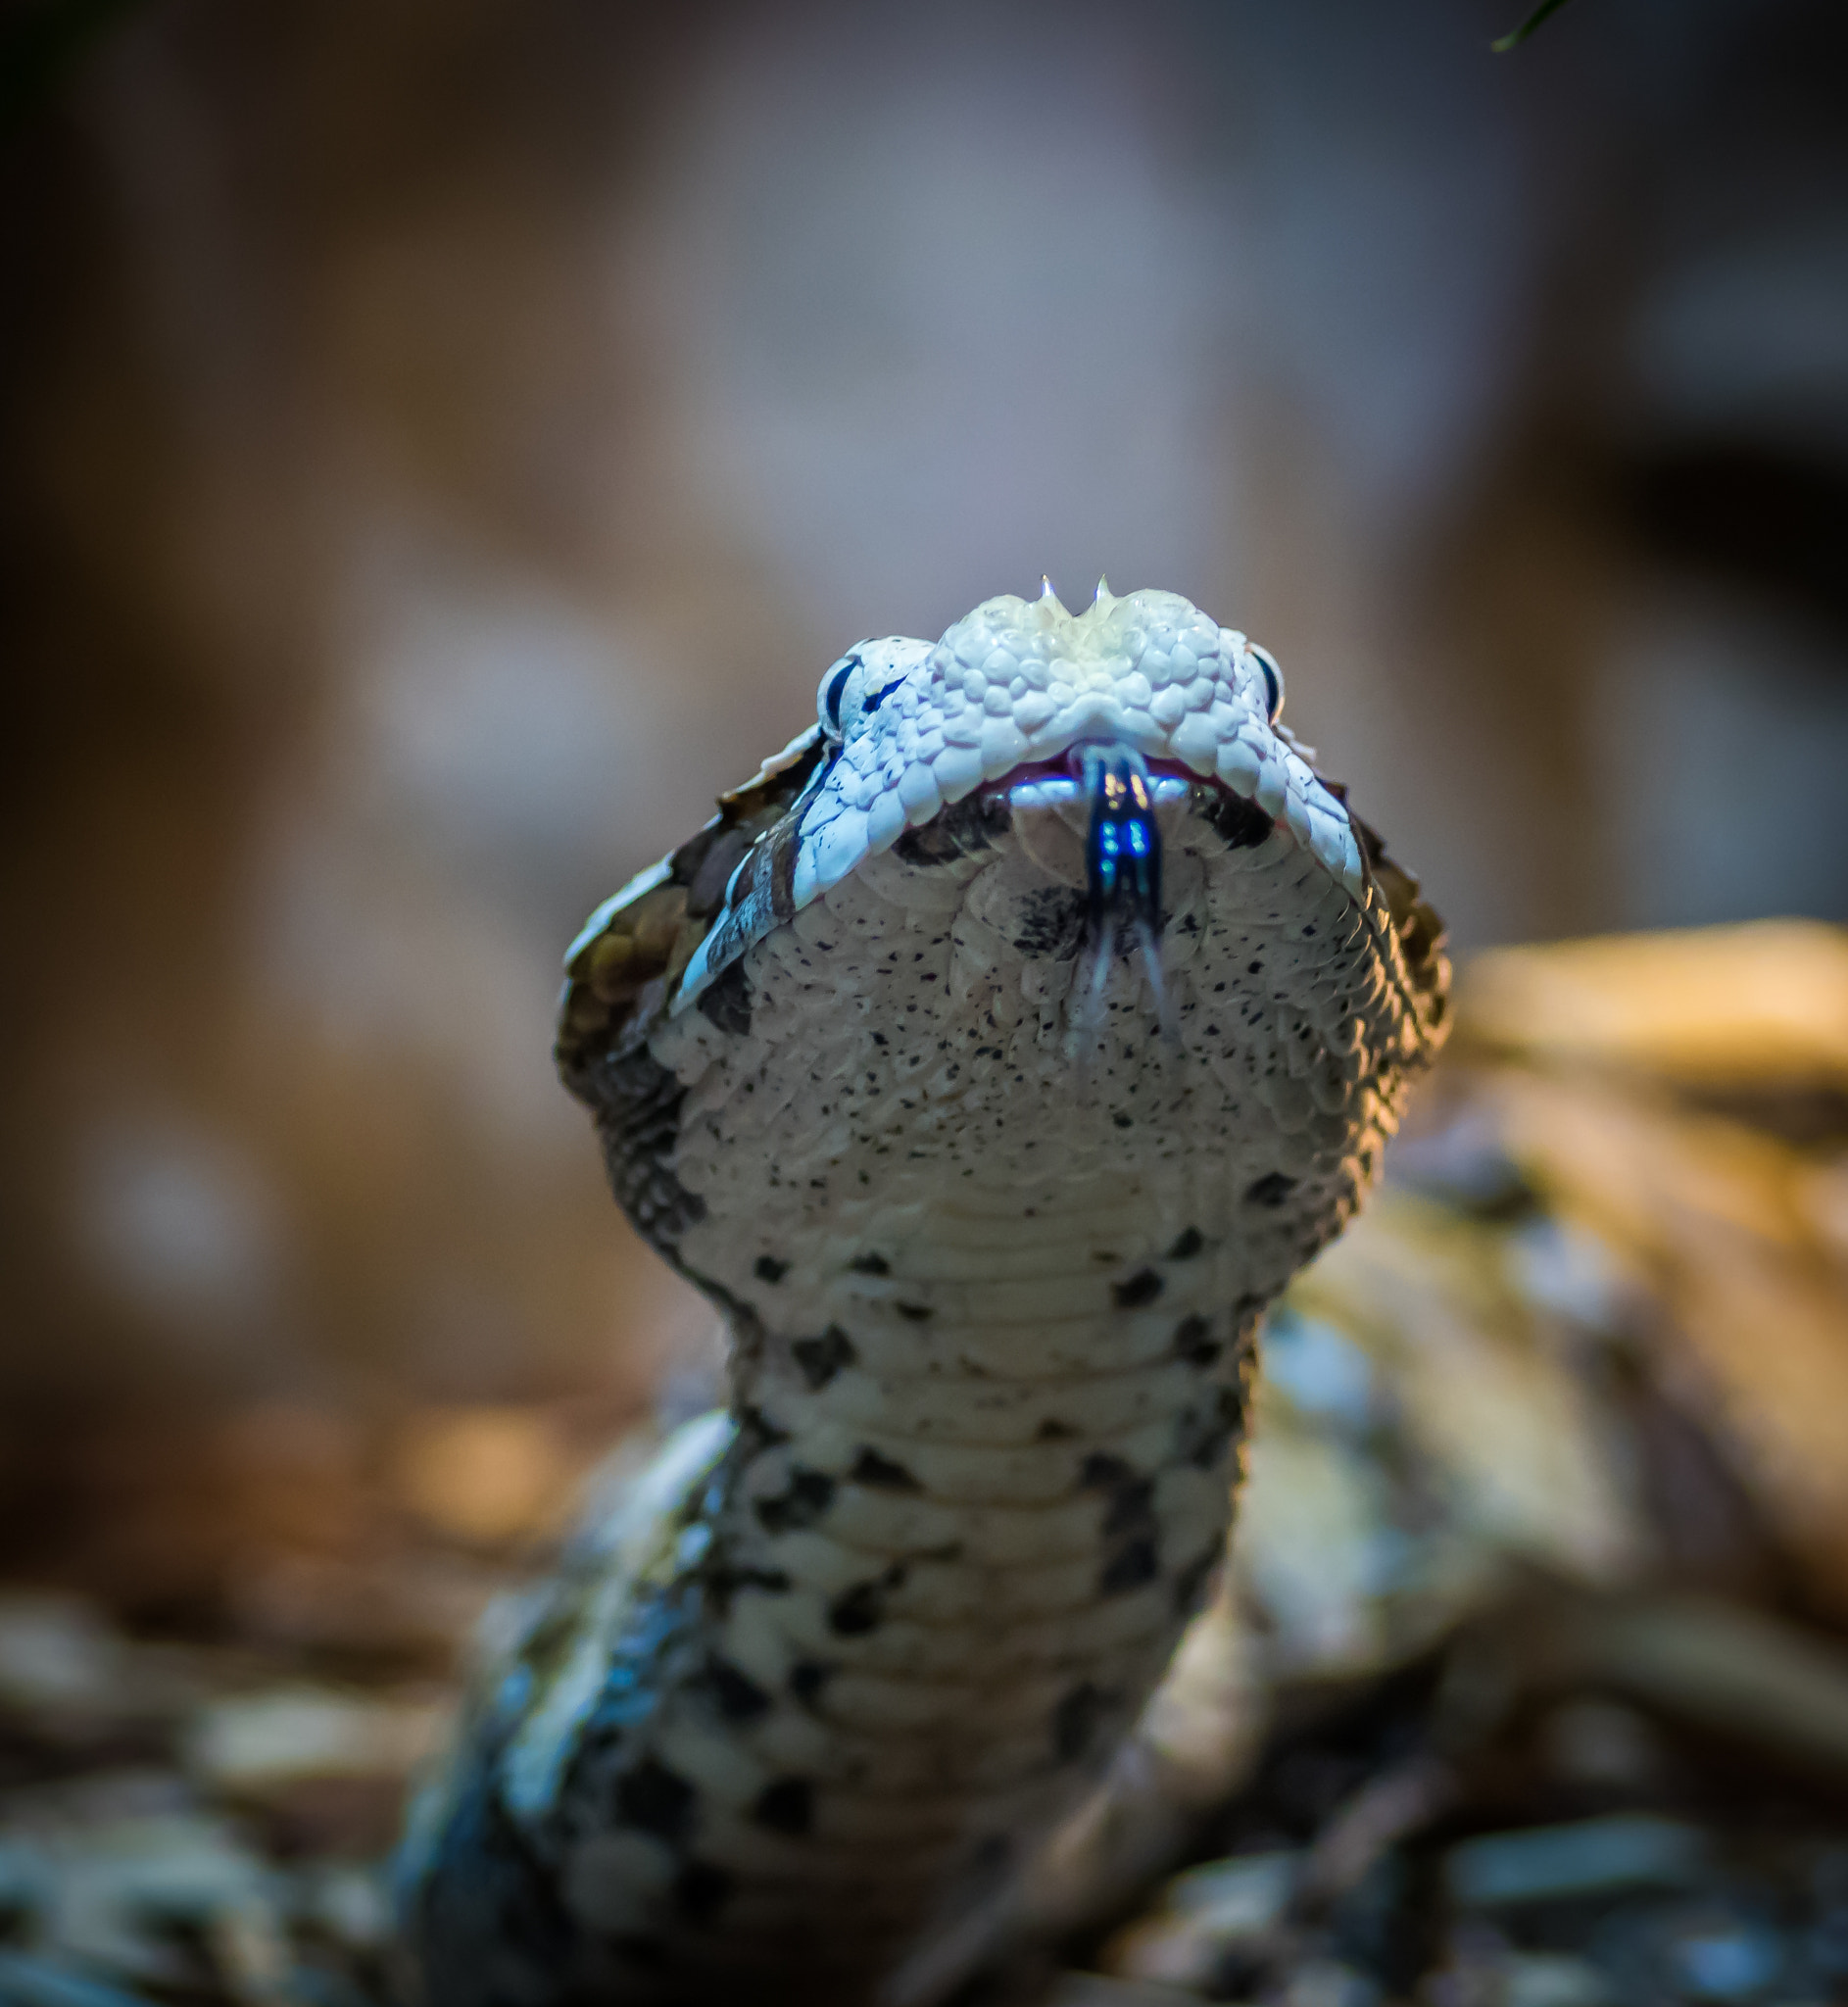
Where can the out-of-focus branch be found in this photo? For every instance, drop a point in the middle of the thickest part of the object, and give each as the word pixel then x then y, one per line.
pixel 1513 40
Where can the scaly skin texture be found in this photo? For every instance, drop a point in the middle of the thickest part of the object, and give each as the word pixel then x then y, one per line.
pixel 992 1244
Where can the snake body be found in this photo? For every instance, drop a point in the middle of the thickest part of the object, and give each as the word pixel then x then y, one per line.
pixel 991 1059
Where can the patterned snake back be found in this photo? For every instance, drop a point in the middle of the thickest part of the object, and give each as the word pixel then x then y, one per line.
pixel 993 1058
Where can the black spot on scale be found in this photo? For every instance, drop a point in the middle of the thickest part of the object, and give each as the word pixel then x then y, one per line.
pixel 1103 1472
pixel 821 1359
pixel 701 1889
pixel 1051 925
pixel 736 1694
pixel 807 1677
pixel 758 1432
pixel 870 1264
pixel 1194 1343
pixel 655 1799
pixel 1201 1437
pixel 768 1268
pixel 722 1581
pixel 881 1472
pixel 914 1313
pixel 1144 1287
pixel 810 1492
pixel 1130 1568
pixel 1053 1429
pixel 1186 1247
pixel 1076 1720
pixel 786 1806
pixel 1131 1510
pixel 858 1610
pixel 726 1002
pixel 1271 1190
pixel 1130 1531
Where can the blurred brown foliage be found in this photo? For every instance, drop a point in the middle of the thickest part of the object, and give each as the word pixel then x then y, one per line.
pixel 444 443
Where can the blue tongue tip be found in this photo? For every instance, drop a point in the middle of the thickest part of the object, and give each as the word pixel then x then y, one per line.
pixel 1122 840
pixel 1123 878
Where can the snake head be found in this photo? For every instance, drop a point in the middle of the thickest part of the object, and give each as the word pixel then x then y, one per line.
pixel 1002 708
pixel 1017 685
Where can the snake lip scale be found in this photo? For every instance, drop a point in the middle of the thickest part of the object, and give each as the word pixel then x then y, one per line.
pixel 991 1059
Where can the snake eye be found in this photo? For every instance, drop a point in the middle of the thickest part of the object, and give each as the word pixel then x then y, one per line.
pixel 1273 679
pixel 833 688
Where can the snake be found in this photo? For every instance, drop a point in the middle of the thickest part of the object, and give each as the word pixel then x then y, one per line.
pixel 991 1059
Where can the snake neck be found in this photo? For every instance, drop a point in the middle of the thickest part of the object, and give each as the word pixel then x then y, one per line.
pixel 904 1602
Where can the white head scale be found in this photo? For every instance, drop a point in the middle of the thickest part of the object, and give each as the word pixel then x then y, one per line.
pixel 1021 681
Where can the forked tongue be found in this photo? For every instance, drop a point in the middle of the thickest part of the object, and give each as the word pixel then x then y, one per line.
pixel 1123 879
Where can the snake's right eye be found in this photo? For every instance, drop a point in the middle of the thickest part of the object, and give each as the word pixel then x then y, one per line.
pixel 1273 679
pixel 833 689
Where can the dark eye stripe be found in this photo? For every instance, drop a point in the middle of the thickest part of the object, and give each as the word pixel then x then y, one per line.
pixel 879 696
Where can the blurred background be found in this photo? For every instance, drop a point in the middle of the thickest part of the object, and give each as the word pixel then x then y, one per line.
pixel 444 443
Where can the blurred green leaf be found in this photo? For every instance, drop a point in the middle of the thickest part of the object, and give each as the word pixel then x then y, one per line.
pixel 1527 27
pixel 41 46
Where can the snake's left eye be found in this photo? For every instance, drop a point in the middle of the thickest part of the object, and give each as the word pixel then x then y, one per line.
pixel 1273 679
pixel 833 688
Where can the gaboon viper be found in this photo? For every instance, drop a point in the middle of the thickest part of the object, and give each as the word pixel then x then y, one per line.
pixel 991 1059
